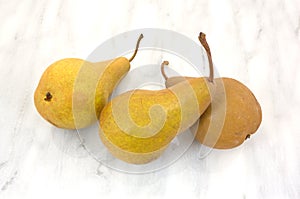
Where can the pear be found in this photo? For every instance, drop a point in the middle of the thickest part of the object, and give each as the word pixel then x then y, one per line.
pixel 233 115
pixel 137 126
pixel 72 92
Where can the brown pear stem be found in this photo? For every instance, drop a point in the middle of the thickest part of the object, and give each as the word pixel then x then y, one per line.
pixel 136 47
pixel 204 43
pixel 162 69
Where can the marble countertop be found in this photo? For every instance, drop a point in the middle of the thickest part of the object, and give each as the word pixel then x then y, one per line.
pixel 256 42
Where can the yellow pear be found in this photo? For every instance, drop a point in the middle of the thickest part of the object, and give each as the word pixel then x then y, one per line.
pixel 72 92
pixel 234 113
pixel 138 125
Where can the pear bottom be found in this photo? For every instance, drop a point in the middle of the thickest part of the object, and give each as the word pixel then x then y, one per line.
pixel 131 157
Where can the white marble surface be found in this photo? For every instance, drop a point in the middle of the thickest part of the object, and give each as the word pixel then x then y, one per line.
pixel 256 42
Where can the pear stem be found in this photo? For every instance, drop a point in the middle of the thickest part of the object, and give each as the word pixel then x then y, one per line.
pixel 202 39
pixel 136 47
pixel 162 69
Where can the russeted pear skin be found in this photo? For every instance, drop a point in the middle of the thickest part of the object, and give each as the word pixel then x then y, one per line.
pixel 60 88
pixel 137 126
pixel 233 115
pixel 243 116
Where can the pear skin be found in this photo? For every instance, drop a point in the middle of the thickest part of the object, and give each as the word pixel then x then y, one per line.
pixel 242 116
pixel 72 92
pixel 234 113
pixel 138 125
pixel 66 102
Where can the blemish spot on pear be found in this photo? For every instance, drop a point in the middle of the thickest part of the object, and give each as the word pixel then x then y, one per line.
pixel 48 97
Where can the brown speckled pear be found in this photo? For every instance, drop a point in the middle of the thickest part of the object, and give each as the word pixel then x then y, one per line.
pixel 138 125
pixel 233 115
pixel 72 92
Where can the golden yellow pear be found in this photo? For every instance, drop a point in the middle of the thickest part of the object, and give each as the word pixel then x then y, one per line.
pixel 234 113
pixel 138 125
pixel 72 92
